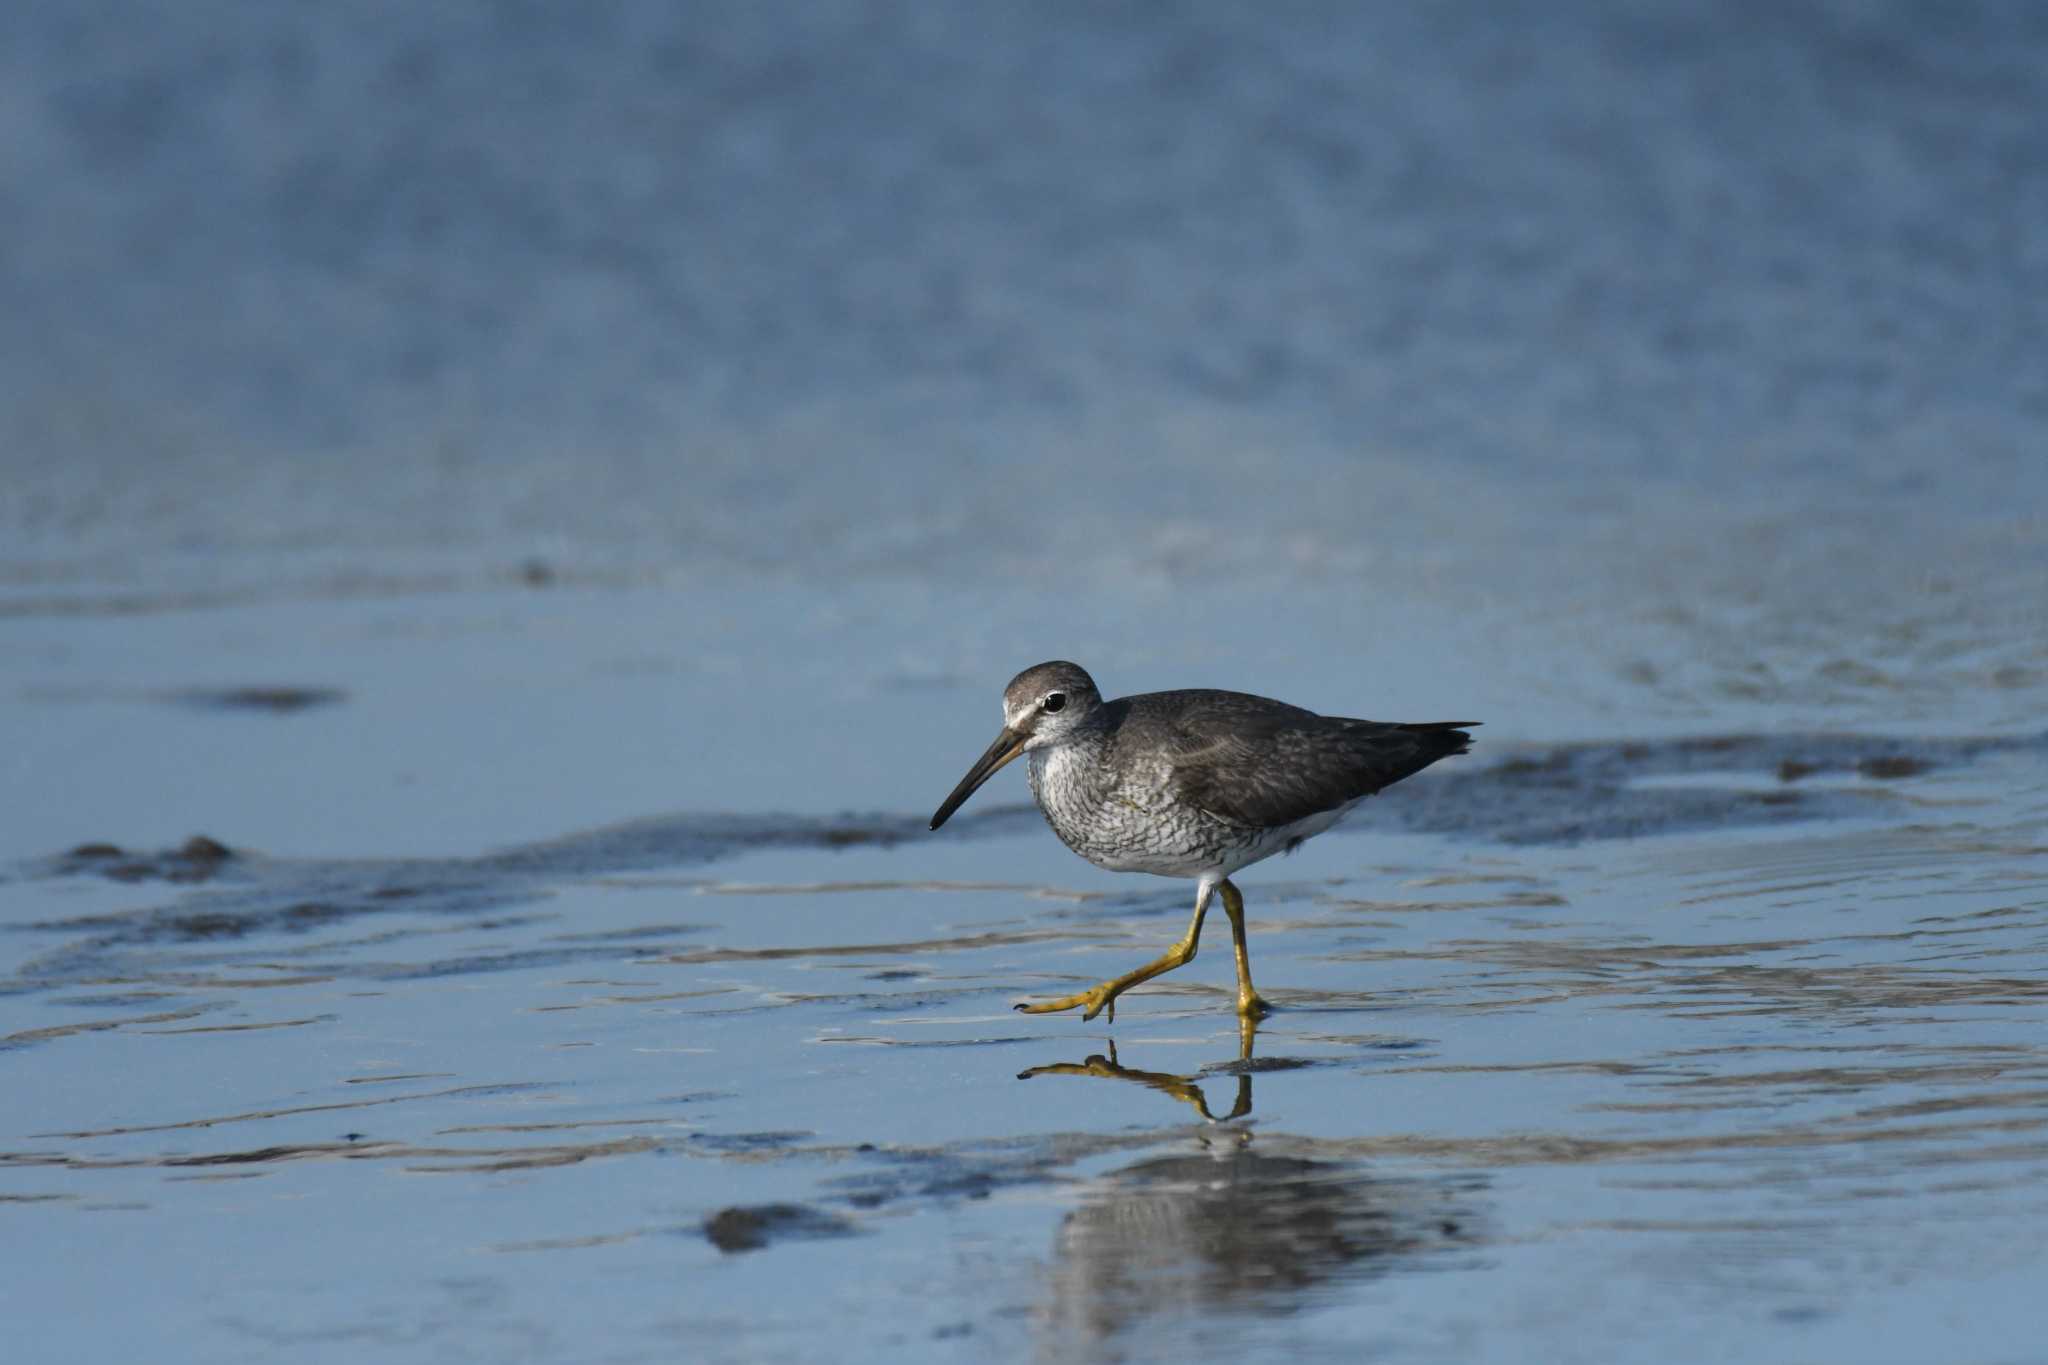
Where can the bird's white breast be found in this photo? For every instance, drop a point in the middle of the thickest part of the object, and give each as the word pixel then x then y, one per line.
pixel 1128 820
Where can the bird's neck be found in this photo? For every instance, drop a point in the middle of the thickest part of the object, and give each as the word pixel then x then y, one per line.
pixel 1071 773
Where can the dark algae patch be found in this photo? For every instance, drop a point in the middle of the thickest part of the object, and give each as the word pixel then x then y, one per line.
pixel 753 1227
pixel 196 860
pixel 261 700
pixel 1893 766
pixel 1574 793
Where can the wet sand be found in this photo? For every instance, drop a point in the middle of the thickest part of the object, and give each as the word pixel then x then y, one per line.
pixel 1700 1048
pixel 509 526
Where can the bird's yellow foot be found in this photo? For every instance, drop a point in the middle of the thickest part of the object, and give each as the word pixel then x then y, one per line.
pixel 1090 1002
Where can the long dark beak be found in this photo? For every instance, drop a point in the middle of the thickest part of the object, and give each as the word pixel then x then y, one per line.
pixel 1008 745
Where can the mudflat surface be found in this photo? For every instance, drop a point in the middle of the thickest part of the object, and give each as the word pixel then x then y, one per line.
pixel 1708 1047
pixel 510 529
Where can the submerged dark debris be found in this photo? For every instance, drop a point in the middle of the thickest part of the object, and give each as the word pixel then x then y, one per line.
pixel 751 1227
pixel 269 700
pixel 196 860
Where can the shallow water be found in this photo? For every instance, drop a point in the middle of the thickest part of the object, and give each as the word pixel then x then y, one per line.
pixel 1695 1048
pixel 510 528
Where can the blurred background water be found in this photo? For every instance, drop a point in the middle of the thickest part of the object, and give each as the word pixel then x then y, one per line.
pixel 432 431
pixel 1059 292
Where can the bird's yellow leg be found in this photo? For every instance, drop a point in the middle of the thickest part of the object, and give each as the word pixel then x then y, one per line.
pixel 1103 997
pixel 1250 1005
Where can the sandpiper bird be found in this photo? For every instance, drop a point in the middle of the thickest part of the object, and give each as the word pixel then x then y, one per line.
pixel 1194 783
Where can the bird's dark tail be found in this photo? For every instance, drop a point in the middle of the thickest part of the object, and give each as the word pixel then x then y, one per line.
pixel 1430 740
pixel 1387 751
pixel 1442 738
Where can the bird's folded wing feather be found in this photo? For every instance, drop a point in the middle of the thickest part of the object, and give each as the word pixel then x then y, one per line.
pixel 1272 768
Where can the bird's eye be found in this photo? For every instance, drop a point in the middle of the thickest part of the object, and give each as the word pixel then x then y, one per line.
pixel 1054 701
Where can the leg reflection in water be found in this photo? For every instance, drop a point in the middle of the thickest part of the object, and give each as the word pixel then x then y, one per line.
pixel 1183 1088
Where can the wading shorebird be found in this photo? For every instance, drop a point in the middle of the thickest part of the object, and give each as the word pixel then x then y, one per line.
pixel 1194 783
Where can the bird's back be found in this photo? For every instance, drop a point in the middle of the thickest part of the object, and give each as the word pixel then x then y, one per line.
pixel 1261 763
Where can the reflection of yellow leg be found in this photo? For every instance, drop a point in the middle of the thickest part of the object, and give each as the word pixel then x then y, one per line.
pixel 1103 997
pixel 1182 1088
pixel 1247 1030
pixel 1249 1004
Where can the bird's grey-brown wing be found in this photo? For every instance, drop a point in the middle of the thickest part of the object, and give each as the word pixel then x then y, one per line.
pixel 1263 764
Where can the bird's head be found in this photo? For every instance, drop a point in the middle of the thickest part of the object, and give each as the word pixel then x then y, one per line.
pixel 1045 704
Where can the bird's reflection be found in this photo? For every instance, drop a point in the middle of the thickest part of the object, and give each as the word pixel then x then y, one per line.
pixel 1229 1231
pixel 1183 1088
pixel 1175 1241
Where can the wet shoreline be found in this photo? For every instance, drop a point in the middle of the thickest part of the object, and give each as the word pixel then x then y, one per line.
pixel 1686 1041
pixel 510 528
